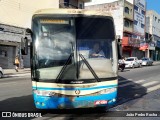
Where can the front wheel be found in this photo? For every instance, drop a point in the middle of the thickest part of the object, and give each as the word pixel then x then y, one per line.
pixel 133 66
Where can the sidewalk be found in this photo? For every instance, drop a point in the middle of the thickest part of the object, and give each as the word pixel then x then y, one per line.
pixel 12 72
pixel 156 62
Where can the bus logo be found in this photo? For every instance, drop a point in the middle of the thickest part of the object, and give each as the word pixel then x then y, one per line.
pixel 77 92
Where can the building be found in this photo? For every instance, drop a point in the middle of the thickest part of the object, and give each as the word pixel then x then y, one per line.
pixel 129 17
pixel 15 17
pixel 153 34
pixel 135 44
pixel 139 28
pixel 116 9
pixel 127 42
pixel 72 3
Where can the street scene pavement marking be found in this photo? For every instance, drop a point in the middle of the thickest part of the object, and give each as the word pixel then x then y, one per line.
pixel 131 83
pixel 146 84
pixel 17 75
pixel 141 84
pixel 153 88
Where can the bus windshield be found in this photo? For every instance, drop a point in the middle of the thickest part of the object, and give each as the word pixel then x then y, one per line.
pixel 73 48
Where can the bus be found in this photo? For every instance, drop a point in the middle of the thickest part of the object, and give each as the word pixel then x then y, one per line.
pixel 64 73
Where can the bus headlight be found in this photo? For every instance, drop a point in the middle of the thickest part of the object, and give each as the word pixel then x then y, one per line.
pixel 108 90
pixel 43 92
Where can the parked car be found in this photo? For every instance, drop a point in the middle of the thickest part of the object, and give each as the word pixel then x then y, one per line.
pixel 147 61
pixel 132 62
pixel 1 72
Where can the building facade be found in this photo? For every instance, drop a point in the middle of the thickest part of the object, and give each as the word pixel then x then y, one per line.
pixel 116 10
pixel 15 17
pixel 139 28
pixel 127 43
pixel 153 34
pixel 129 17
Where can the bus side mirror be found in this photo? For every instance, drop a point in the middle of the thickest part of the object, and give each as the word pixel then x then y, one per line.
pixel 119 46
pixel 29 31
pixel 24 46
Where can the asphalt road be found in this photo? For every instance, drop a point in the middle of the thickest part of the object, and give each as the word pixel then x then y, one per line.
pixel 134 84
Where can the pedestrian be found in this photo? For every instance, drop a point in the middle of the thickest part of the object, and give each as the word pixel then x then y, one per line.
pixel 22 63
pixel 16 63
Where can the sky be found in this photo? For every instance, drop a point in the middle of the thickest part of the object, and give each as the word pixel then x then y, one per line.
pixel 153 5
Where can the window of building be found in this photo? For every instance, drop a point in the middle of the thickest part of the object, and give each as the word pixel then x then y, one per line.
pixel 142 25
pixel 135 22
pixel 136 8
pixel 158 20
pixel 126 9
pixel 155 18
pixel 143 12
pixel 126 23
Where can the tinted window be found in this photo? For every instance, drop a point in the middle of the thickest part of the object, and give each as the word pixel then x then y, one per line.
pixel 130 59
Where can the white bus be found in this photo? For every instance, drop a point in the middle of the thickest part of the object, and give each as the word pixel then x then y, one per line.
pixel 73 59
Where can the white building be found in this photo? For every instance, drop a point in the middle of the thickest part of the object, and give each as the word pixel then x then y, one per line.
pixel 139 18
pixel 153 33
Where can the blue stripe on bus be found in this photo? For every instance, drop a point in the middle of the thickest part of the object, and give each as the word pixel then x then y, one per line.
pixel 100 87
pixel 55 102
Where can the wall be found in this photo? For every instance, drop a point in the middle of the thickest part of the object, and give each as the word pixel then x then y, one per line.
pixel 139 17
pixel 19 12
pixel 128 16
pixel 154 26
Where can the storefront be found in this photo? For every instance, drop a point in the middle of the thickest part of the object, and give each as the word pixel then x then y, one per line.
pixel 131 48
pixel 157 51
pixel 10 38
pixel 151 50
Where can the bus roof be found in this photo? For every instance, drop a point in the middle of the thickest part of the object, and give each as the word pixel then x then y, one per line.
pixel 73 11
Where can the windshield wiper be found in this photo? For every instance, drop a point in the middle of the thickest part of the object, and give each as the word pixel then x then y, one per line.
pixel 63 68
pixel 90 68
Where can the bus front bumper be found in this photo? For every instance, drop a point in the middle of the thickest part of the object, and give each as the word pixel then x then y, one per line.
pixel 63 102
